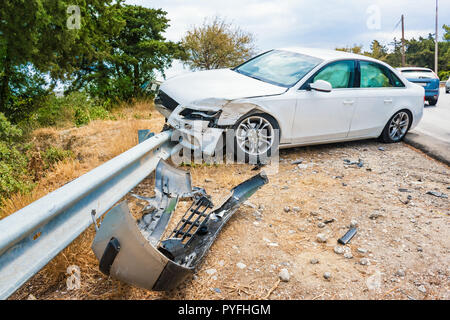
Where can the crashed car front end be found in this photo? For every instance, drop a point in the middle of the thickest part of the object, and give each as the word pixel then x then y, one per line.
pixel 199 125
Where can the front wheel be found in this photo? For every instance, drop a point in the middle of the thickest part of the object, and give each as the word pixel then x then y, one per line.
pixel 256 138
pixel 397 127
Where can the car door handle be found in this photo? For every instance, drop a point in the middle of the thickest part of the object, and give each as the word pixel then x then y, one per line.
pixel 349 102
pixel 387 100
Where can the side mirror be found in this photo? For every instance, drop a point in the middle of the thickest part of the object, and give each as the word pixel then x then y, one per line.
pixel 321 85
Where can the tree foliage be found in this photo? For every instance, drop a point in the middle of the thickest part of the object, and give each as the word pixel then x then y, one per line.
pixel 419 52
pixel 134 54
pixel 217 44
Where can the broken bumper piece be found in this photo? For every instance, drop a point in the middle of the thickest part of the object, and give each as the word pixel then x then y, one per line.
pixel 135 253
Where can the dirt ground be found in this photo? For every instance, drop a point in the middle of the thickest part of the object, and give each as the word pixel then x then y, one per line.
pixel 400 251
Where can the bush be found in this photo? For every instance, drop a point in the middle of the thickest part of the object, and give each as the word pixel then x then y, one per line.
pixel 81 117
pixel 444 75
pixel 14 175
pixel 8 131
pixel 98 113
pixel 54 154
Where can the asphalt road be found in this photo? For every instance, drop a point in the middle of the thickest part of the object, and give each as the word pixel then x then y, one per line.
pixel 432 135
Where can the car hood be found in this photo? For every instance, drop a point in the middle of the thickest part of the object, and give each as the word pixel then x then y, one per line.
pixel 220 84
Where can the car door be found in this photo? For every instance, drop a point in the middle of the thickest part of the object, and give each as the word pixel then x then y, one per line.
pixel 324 116
pixel 378 95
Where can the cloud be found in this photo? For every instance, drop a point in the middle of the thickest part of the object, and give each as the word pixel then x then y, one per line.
pixel 324 24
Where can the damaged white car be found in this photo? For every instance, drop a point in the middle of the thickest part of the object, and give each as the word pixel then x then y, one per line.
pixel 291 97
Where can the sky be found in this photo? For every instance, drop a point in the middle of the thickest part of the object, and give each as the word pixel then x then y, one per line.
pixel 321 24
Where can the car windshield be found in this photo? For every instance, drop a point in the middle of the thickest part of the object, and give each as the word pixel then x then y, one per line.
pixel 282 68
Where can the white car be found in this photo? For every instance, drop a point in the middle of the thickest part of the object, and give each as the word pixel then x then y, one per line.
pixel 447 86
pixel 308 96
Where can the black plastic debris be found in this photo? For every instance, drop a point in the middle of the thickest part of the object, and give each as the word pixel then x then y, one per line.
pixel 348 236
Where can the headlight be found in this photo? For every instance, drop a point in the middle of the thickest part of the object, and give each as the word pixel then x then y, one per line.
pixel 191 114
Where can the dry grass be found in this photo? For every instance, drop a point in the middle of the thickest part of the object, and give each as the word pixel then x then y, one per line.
pixel 92 145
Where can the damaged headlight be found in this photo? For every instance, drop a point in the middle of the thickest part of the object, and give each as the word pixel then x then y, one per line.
pixel 211 116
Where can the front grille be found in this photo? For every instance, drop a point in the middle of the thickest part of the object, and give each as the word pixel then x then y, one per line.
pixel 166 101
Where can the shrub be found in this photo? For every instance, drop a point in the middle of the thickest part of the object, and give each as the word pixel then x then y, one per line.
pixel 81 117
pixel 98 112
pixel 14 175
pixel 8 131
pixel 54 154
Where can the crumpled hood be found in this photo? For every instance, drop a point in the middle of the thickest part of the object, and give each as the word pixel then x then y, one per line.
pixel 222 83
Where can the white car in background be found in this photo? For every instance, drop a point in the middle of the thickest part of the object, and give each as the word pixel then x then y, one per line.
pixel 311 96
pixel 447 86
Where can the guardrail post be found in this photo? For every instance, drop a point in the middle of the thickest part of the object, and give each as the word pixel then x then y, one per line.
pixel 144 135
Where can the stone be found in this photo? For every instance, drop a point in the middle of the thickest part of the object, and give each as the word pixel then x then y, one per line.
pixel 362 250
pixel 374 215
pixel 314 261
pixel 327 275
pixel 321 238
pixel 353 224
pixel 287 209
pixel 211 271
pixel 348 255
pixel 241 265
pixel 422 288
pixel 400 273
pixel 296 209
pixel 321 225
pixel 284 275
pixel 364 261
pixel 338 250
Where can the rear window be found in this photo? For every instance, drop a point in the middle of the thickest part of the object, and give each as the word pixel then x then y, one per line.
pixel 418 73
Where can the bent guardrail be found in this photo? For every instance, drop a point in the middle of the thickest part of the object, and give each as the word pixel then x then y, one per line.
pixel 34 235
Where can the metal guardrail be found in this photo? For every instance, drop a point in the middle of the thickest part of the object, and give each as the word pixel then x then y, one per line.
pixel 34 235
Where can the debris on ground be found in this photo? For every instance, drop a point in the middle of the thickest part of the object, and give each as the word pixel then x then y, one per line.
pixel 348 236
pixel 437 194
pixel 358 163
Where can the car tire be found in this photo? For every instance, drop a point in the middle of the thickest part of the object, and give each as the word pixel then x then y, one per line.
pixel 432 101
pixel 397 127
pixel 256 138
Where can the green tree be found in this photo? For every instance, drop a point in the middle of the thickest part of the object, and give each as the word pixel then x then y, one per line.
pixel 379 51
pixel 35 39
pixel 217 44
pixel 355 49
pixel 135 53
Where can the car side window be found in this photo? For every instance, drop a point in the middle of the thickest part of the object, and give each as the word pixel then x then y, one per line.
pixel 339 74
pixel 374 75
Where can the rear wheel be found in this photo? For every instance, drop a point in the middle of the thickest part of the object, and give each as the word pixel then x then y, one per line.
pixel 256 138
pixel 432 101
pixel 397 127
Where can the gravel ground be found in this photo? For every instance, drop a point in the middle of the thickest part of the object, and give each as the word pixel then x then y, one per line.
pixel 283 244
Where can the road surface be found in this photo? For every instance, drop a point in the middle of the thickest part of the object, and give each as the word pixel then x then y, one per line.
pixel 432 135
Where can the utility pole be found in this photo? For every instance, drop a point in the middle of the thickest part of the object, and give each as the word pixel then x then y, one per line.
pixel 436 48
pixel 403 42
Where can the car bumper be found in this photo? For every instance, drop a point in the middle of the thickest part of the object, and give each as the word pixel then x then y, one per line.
pixel 432 93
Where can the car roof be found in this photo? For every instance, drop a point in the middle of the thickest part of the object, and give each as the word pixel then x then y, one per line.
pixel 327 54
